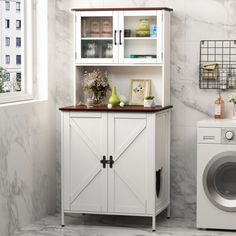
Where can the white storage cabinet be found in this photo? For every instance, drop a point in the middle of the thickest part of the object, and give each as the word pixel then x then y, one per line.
pixel 115 163
pixel 98 31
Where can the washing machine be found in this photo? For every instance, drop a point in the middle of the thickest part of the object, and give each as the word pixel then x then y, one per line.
pixel 216 174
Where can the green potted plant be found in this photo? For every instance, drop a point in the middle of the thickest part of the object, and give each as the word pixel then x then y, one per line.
pixel 232 99
pixel 149 101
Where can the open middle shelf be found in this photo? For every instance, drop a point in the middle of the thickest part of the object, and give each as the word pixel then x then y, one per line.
pixel 121 77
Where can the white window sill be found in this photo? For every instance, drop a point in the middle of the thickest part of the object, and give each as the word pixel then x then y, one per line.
pixel 22 102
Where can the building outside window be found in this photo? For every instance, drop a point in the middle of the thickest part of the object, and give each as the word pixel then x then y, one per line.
pixel 18 42
pixel 18 6
pixel 7 59
pixel 18 59
pixel 7 23
pixel 18 81
pixel 7 41
pixel 7 5
pixel 8 76
pixel 18 24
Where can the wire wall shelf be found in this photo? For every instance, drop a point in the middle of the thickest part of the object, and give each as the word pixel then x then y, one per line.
pixel 217 67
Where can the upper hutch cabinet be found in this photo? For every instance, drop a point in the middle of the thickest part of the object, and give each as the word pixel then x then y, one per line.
pixel 120 36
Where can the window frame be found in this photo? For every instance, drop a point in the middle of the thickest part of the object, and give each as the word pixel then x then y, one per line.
pixel 7 24
pixel 7 3
pixel 18 40
pixel 8 75
pixel 7 59
pixel 18 4
pixel 26 58
pixel 7 41
pixel 34 68
pixel 18 59
pixel 18 24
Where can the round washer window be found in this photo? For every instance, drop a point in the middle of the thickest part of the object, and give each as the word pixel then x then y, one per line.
pixel 219 181
pixel 225 180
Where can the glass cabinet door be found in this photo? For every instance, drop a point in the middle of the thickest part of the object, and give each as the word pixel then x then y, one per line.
pixel 96 33
pixel 141 37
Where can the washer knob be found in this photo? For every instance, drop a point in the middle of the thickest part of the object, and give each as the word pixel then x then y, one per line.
pixel 229 135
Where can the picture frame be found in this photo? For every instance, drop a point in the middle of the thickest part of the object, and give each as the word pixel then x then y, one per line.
pixel 139 89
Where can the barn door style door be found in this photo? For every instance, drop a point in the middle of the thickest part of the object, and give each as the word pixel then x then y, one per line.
pixel 127 147
pixel 88 149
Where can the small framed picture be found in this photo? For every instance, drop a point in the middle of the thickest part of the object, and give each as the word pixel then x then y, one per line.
pixel 139 90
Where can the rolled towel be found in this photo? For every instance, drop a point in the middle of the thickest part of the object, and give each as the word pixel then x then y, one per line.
pixel 210 71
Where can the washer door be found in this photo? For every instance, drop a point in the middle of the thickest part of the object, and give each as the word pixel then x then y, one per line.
pixel 219 181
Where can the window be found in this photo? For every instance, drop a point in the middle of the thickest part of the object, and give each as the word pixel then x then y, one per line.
pixel 18 76
pixel 7 59
pixel 8 77
pixel 18 7
pixel 21 59
pixel 18 59
pixel 7 23
pixel 18 81
pixel 11 74
pixel 7 41
pixel 18 24
pixel 18 42
pixel 7 5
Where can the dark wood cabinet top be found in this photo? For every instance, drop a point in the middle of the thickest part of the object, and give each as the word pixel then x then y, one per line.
pixel 123 9
pixel 104 108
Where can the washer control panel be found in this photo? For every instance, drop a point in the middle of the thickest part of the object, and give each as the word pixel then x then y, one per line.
pixel 228 135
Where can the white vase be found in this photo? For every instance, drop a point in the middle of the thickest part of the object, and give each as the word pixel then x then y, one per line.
pixel 148 103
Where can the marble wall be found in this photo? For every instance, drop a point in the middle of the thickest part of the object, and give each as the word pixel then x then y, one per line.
pixel 27 157
pixel 191 22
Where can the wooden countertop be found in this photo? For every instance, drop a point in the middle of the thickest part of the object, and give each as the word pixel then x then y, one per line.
pixel 123 9
pixel 98 108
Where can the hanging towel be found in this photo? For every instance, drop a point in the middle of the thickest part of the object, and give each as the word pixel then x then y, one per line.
pixel 210 71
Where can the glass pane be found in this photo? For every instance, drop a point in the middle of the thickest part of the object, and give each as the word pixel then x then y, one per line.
pixel 98 27
pixel 140 36
pixel 225 180
pixel 140 48
pixel 97 49
pixel 11 50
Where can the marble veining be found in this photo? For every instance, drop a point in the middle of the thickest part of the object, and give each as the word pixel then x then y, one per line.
pixel 115 226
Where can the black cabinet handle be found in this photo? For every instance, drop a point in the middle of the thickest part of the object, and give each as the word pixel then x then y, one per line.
pixel 103 161
pixel 120 37
pixel 111 161
pixel 115 32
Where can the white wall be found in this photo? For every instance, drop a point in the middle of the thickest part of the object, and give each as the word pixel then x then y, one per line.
pixel 27 156
pixel 192 21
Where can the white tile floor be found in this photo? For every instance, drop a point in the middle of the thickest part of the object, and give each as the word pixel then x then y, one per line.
pixel 90 225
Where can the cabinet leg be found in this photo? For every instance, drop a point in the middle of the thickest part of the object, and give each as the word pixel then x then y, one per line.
pixel 153 223
pixel 168 212
pixel 62 219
